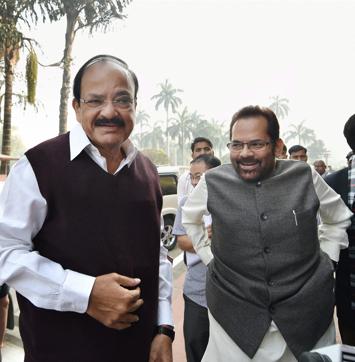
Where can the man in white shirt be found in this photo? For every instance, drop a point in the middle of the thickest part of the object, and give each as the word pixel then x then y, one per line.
pixel 80 234
pixel 270 284
pixel 199 146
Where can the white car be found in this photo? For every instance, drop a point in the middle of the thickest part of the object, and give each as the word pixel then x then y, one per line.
pixel 168 181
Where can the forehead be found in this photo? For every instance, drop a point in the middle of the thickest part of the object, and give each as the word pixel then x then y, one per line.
pixel 200 145
pixel 251 128
pixel 198 167
pixel 319 164
pixel 102 76
pixel 300 152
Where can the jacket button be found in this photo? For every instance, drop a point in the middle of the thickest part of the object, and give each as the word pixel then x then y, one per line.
pixel 271 309
pixel 258 184
pixel 270 283
pixel 267 250
pixel 263 217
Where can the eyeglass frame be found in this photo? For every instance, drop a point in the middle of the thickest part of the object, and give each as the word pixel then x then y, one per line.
pixel 242 144
pixel 115 102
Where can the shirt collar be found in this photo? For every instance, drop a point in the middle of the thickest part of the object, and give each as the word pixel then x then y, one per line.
pixel 79 141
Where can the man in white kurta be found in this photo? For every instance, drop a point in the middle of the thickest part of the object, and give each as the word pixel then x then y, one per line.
pixel 263 244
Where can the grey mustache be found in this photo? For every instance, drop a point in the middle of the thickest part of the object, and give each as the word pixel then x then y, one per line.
pixel 108 122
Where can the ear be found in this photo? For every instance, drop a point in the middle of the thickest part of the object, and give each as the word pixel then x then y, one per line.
pixel 279 144
pixel 76 105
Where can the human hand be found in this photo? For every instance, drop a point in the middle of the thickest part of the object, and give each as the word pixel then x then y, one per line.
pixel 161 349
pixel 111 303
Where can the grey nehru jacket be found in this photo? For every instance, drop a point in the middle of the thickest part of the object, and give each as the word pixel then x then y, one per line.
pixel 267 261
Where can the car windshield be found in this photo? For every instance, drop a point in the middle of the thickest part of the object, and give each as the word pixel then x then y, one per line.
pixel 168 184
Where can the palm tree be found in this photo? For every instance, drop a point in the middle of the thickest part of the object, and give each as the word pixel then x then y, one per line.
pixel 142 121
pixel 214 131
pixel 154 138
pixel 280 106
pixel 13 14
pixel 169 99
pixel 303 134
pixel 317 150
pixel 182 130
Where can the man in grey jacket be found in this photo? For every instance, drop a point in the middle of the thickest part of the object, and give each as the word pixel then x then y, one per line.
pixel 270 266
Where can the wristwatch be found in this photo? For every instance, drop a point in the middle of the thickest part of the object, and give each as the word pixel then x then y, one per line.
pixel 167 330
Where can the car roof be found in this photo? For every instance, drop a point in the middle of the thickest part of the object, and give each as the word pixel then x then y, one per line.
pixel 177 170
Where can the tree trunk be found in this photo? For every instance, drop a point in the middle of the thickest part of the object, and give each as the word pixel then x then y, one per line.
pixel 65 90
pixel 167 134
pixel 9 58
pixel 182 145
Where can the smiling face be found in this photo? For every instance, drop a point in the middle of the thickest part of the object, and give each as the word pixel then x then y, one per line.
pixel 253 165
pixel 107 124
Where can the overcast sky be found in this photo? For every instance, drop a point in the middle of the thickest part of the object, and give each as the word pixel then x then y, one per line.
pixel 224 55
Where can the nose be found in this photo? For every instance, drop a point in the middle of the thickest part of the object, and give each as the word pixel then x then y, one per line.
pixel 245 152
pixel 108 110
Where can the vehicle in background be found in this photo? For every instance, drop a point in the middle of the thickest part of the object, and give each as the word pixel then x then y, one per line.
pixel 168 182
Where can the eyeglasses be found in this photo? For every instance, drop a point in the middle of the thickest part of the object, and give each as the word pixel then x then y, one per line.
pixel 124 102
pixel 235 146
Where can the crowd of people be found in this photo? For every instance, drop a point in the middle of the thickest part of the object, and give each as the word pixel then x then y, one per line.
pixel 262 237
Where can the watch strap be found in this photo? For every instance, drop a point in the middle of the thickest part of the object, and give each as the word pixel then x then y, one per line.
pixel 166 331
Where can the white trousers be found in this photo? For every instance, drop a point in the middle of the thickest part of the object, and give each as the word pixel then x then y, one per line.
pixel 273 348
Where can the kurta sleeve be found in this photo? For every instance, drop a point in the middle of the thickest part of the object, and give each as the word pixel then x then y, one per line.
pixel 192 219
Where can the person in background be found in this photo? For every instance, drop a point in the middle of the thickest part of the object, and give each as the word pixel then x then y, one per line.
pixel 283 154
pixel 80 234
pixel 343 182
pixel 199 146
pixel 196 325
pixel 320 167
pixel 298 153
pixel 268 261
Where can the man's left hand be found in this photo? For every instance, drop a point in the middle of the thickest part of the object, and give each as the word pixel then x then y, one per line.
pixel 160 349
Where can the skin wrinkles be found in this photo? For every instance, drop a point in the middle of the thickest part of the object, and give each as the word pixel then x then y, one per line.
pixel 107 126
pixel 250 165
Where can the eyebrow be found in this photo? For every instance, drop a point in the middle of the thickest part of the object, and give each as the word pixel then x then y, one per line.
pixel 117 94
pixel 256 140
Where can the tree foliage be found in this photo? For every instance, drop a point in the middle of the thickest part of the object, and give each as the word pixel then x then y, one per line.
pixel 169 99
pixel 157 156
pixel 31 76
pixel 14 14
pixel 279 106
pixel 300 133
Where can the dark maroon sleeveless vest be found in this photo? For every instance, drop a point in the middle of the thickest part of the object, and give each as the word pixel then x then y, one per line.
pixel 97 223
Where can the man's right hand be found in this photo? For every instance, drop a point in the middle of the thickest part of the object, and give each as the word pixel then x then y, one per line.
pixel 112 304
